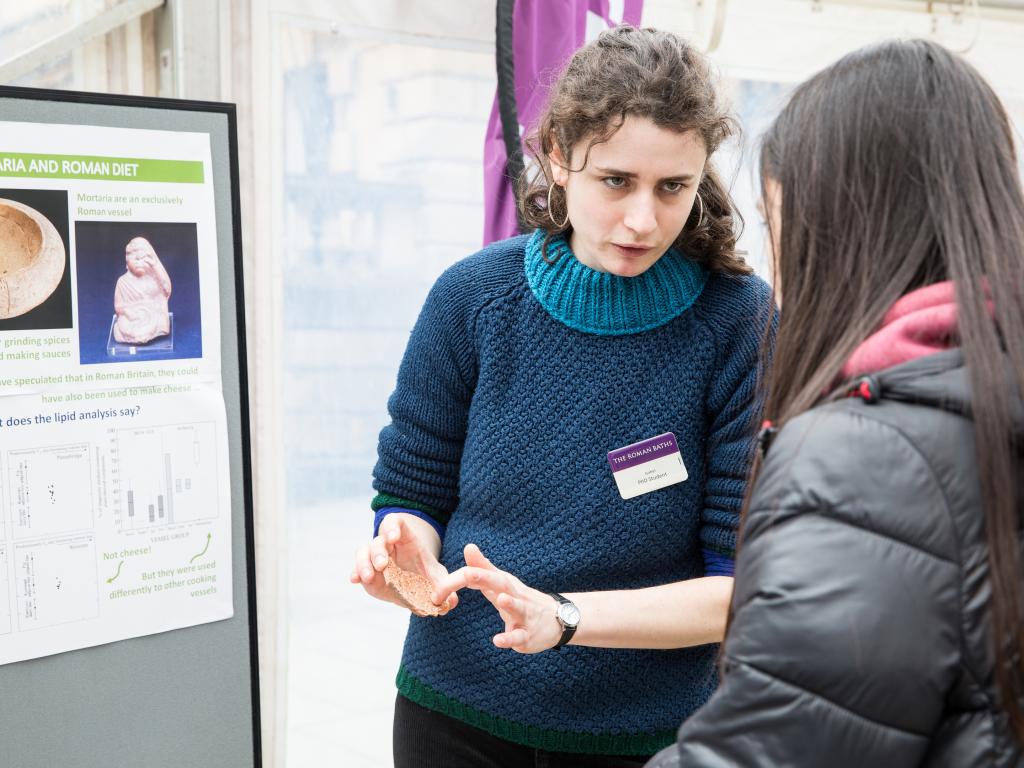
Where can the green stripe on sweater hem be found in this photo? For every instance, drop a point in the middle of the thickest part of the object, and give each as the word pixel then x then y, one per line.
pixel 382 500
pixel 641 744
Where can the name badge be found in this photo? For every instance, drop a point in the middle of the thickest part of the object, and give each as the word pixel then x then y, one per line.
pixel 647 466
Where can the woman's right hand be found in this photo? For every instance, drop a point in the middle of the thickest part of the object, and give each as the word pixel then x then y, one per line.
pixel 414 546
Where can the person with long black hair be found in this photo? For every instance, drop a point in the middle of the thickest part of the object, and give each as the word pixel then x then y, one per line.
pixel 877 616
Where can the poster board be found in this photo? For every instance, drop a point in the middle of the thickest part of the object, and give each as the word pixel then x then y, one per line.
pixel 127 588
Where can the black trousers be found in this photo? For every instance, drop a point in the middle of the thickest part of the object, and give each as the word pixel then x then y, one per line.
pixel 423 738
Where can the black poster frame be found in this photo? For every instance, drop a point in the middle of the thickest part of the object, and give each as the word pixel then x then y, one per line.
pixel 229 111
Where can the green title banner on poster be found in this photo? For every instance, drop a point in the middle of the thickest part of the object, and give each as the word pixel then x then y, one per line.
pixel 101 168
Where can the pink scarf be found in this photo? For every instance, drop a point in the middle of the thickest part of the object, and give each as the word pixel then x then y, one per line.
pixel 920 323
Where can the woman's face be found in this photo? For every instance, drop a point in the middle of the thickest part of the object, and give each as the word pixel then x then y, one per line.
pixel 630 201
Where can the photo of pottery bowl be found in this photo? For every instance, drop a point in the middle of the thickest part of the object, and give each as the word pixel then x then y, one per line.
pixel 31 258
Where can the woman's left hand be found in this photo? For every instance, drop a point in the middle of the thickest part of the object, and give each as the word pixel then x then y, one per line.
pixel 529 615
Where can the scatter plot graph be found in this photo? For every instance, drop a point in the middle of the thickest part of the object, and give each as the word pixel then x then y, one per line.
pixel 50 490
pixel 165 475
pixel 56 582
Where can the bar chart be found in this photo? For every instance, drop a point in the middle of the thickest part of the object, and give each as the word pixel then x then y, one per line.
pixel 165 475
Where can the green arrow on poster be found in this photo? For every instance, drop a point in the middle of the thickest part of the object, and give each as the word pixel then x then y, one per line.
pixel 111 579
pixel 208 537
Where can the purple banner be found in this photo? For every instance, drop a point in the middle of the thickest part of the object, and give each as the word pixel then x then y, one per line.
pixel 642 452
pixel 545 34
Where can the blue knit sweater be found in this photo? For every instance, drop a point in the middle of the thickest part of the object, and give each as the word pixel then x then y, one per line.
pixel 519 377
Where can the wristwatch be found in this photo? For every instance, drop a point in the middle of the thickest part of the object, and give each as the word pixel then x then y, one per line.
pixel 568 616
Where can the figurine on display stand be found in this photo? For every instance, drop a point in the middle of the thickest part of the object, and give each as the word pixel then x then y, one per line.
pixel 141 295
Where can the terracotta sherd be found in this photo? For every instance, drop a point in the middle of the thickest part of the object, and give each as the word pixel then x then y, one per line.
pixel 415 589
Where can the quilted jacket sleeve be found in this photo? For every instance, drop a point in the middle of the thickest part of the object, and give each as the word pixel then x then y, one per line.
pixel 844 639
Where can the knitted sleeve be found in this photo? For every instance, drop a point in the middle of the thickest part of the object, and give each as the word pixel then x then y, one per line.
pixel 734 406
pixel 419 452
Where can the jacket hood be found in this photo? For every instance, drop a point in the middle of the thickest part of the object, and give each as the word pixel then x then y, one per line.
pixel 939 381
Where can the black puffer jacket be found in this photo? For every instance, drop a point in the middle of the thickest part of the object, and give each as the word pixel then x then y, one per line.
pixel 861 635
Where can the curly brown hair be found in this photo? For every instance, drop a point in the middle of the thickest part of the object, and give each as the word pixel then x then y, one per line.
pixel 645 73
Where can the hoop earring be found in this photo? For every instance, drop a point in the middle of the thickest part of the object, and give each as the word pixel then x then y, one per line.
pixel 700 218
pixel 551 216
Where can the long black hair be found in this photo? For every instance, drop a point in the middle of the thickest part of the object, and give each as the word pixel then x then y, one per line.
pixel 897 169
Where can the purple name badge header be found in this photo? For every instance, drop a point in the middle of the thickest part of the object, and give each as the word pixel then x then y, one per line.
pixel 642 452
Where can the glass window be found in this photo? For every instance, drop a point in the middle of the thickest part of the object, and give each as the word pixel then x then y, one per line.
pixel 117 62
pixel 381 189
pixel 25 25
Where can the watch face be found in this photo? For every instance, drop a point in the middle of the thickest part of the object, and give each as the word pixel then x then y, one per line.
pixel 569 614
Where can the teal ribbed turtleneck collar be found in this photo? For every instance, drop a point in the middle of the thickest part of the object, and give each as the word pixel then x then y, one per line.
pixel 606 304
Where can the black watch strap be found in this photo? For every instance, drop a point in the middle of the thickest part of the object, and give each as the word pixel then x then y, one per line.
pixel 568 630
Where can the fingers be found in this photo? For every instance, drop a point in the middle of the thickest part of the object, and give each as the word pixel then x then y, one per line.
pixel 371 559
pixel 369 578
pixel 453 600
pixel 475 558
pixel 378 553
pixel 511 611
pixel 476 563
pixel 524 624
pixel 406 542
pixel 364 571
pixel 449 585
pixel 392 530
pixel 515 639
pixel 397 540
pixel 494 582
pixel 473 578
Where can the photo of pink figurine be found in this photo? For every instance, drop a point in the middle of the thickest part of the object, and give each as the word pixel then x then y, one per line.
pixel 141 295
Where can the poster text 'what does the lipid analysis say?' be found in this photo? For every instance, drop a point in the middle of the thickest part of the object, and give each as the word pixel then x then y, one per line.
pixel 114 478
